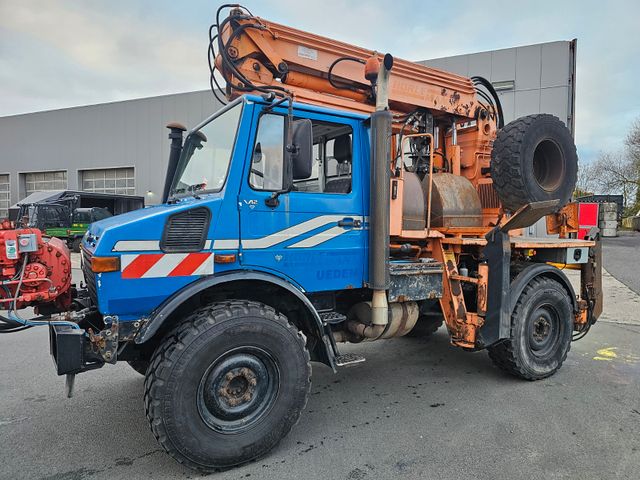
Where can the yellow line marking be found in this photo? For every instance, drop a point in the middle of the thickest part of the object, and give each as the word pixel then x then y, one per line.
pixel 606 354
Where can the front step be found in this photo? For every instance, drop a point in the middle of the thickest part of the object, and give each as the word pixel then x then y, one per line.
pixel 349 359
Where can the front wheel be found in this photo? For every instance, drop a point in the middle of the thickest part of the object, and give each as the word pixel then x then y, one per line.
pixel 227 385
pixel 75 244
pixel 541 329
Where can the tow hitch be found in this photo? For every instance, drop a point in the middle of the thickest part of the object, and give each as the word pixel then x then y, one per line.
pixel 75 350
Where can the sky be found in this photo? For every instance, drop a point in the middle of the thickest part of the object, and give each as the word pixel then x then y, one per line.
pixel 62 53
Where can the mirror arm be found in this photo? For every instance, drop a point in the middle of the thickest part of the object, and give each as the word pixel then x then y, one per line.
pixel 273 201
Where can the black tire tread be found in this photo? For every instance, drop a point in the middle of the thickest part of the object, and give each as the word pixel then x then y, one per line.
pixel 506 172
pixel 504 355
pixel 427 325
pixel 175 342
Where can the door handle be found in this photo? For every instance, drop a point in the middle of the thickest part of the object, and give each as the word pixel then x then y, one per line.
pixel 350 222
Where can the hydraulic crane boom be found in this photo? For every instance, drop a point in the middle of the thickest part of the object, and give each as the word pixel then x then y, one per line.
pixel 253 52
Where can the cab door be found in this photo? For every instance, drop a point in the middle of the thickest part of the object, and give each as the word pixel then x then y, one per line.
pixel 314 234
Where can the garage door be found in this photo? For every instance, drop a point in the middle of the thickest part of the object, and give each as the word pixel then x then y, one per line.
pixel 4 196
pixel 45 181
pixel 109 180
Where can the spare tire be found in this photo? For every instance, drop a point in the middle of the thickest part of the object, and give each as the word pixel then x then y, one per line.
pixel 534 159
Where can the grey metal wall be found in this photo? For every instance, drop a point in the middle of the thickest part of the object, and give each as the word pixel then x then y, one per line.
pixel 120 134
pixel 133 134
pixel 543 77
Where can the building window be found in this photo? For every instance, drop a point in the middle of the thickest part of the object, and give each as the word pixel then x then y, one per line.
pixel 45 181
pixel 4 196
pixel 109 180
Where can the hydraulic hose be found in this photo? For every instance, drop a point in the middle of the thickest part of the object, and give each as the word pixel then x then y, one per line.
pixel 487 84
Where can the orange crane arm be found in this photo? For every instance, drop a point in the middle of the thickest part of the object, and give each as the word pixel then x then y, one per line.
pixel 326 72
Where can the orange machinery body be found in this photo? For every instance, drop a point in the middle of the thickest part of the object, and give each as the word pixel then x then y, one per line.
pixel 298 63
pixel 283 57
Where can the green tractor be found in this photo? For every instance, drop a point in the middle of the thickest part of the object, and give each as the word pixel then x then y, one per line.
pixel 81 218
pixel 58 220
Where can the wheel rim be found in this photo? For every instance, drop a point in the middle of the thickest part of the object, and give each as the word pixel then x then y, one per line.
pixel 544 331
pixel 238 389
pixel 548 165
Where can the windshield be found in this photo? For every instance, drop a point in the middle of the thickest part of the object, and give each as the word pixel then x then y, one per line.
pixel 48 216
pixel 82 216
pixel 205 159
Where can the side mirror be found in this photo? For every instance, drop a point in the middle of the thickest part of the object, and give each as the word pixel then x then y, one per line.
pixel 301 156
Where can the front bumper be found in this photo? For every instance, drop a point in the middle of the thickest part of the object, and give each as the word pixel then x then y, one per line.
pixel 70 350
pixel 77 350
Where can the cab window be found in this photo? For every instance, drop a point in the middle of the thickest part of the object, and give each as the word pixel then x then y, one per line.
pixel 332 157
pixel 268 154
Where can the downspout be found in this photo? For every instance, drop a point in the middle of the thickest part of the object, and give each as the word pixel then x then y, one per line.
pixel 379 201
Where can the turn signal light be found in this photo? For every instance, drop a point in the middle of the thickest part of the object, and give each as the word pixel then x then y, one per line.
pixel 224 258
pixel 105 264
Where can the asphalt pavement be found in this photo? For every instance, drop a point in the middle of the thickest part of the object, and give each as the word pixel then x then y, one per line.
pixel 621 258
pixel 416 409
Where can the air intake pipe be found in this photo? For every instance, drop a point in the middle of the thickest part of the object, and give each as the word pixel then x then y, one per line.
pixel 381 121
pixel 175 135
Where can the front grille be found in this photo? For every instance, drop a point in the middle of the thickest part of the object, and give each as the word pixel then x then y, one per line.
pixel 89 276
pixel 186 231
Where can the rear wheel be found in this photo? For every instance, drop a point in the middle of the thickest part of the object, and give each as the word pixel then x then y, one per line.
pixel 227 385
pixel 541 329
pixel 429 321
pixel 427 325
pixel 534 159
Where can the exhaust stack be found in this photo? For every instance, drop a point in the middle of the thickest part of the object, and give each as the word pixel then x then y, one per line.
pixel 381 121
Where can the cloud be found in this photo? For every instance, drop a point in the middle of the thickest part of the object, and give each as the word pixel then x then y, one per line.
pixel 68 53
pixel 57 53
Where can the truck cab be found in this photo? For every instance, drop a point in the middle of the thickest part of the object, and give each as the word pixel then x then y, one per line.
pixel 233 209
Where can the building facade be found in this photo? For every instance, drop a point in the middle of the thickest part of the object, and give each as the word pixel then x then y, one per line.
pixel 122 147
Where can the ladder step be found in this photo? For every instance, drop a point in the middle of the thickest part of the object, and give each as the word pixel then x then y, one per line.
pixel 332 317
pixel 349 359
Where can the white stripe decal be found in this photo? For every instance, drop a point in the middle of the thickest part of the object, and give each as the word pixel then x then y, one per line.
pixel 136 245
pixel 226 244
pixel 289 234
pixel 292 232
pixel 144 246
pixel 319 238
pixel 163 267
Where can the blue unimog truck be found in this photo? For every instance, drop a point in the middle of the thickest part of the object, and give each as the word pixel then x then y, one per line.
pixel 385 202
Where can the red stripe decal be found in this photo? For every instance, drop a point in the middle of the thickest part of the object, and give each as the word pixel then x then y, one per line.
pixel 141 265
pixel 189 264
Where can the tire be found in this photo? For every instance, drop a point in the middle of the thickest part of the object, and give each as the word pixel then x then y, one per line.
pixel 541 332
pixel 534 159
pixel 227 385
pixel 427 325
pixel 139 366
pixel 75 245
